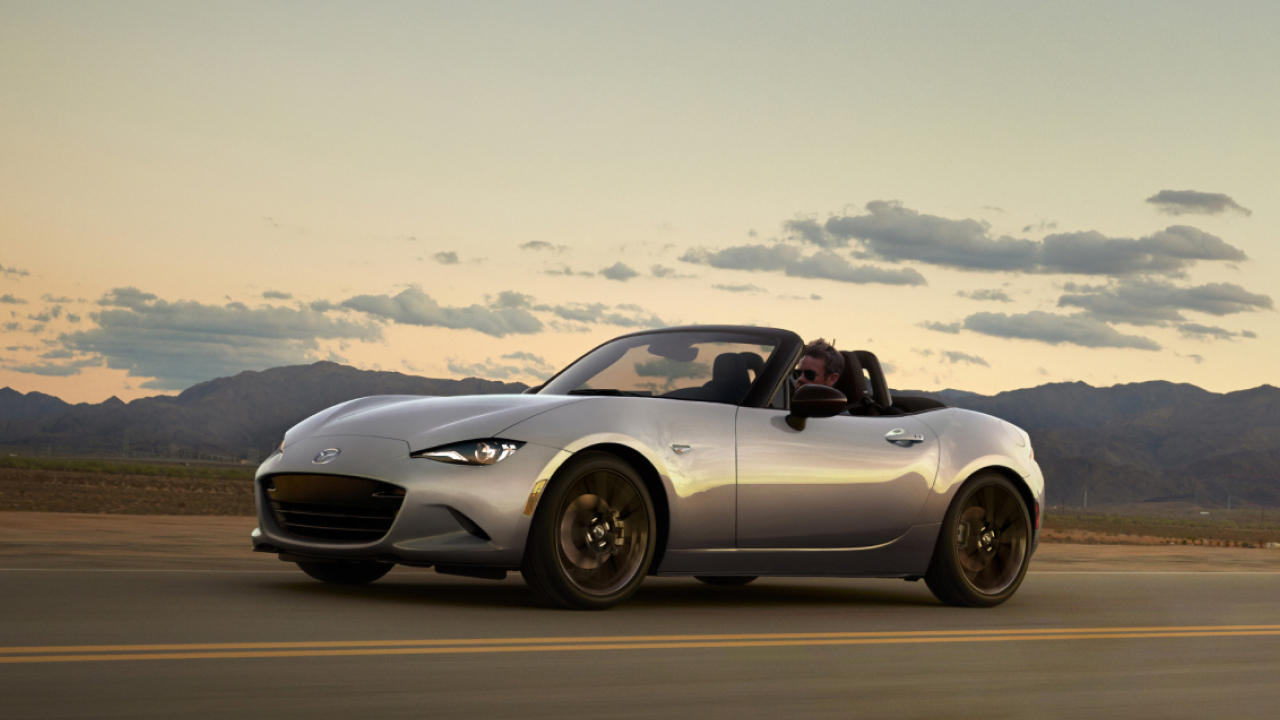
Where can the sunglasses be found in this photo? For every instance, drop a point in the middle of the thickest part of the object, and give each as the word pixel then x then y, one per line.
pixel 809 375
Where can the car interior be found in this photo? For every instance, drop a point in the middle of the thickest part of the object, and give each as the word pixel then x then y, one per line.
pixel 863 383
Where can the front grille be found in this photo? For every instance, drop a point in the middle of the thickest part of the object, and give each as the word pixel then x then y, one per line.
pixel 333 507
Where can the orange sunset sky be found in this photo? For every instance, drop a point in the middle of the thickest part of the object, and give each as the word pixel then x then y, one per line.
pixel 989 195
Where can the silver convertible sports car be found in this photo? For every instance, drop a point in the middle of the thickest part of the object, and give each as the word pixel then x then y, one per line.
pixel 682 451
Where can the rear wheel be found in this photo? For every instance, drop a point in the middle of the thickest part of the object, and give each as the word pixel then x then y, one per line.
pixel 592 538
pixel 725 580
pixel 346 573
pixel 982 551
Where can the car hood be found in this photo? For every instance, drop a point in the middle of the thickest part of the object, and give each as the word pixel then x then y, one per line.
pixel 426 422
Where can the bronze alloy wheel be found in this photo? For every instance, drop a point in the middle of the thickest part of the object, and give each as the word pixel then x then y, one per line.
pixel 592 536
pixel 984 545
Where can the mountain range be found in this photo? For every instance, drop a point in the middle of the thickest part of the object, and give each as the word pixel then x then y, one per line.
pixel 1149 441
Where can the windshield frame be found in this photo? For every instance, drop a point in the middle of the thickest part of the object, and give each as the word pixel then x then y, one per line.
pixel 787 348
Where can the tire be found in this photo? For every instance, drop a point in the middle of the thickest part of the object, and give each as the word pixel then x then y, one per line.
pixel 578 555
pixel 346 573
pixel 725 580
pixel 978 563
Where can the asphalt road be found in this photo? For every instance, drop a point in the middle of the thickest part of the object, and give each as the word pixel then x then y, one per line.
pixel 246 644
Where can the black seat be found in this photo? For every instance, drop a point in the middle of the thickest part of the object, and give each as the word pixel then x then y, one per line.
pixel 729 379
pixel 880 396
pixel 854 386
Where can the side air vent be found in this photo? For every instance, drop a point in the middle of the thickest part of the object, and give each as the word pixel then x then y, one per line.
pixel 333 507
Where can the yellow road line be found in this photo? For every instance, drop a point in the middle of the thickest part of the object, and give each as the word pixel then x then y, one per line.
pixel 435 647
pixel 612 639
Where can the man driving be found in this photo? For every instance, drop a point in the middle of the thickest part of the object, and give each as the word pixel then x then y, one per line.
pixel 821 365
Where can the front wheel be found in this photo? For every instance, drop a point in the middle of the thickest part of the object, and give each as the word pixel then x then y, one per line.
pixel 593 535
pixel 984 545
pixel 346 573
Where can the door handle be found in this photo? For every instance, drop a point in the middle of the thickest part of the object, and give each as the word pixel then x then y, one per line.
pixel 899 437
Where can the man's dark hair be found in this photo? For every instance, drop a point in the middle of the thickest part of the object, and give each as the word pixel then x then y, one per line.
pixel 832 361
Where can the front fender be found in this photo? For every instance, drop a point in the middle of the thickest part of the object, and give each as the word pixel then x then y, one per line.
pixel 689 444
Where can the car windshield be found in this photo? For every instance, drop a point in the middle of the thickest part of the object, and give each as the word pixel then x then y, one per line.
pixel 710 366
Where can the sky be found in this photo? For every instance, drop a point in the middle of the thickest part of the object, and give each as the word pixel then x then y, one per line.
pixel 987 195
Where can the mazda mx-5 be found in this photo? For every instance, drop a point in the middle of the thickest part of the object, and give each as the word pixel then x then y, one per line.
pixel 676 452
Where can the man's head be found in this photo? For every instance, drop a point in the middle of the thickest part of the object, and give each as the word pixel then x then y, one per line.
pixel 821 364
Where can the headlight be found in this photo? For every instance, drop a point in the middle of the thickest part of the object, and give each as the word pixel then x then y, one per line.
pixel 472 452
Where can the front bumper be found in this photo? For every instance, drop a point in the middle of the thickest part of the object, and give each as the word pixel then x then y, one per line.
pixel 427 529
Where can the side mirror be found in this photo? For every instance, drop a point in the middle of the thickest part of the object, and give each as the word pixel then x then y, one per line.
pixel 815 401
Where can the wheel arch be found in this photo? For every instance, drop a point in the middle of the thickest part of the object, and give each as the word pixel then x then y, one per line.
pixel 652 482
pixel 1019 483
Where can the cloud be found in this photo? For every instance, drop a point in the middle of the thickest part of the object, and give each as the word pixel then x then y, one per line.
pixel 73 317
pixel 182 343
pixel 1190 202
pixel 599 313
pixel 954 357
pixel 1139 302
pixel 952 328
pixel 567 271
pixel 521 355
pixel 50 314
pixel 56 369
pixel 809 230
pixel 625 315
pixel 446 258
pixel 745 257
pixel 889 231
pixel 13 272
pixel 127 297
pixel 13 326
pixel 542 245
pixel 1211 332
pixel 618 271
pixel 825 265
pixel 996 295
pixel 414 307
pixel 1167 252
pixel 740 288
pixel 662 271
pixel 511 299
pixel 276 295
pixel 11 300
pixel 1055 330
pixel 895 233
pixel 523 365
pixel 50 298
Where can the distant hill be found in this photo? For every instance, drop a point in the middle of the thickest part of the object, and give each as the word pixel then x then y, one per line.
pixel 1147 441
pixel 243 416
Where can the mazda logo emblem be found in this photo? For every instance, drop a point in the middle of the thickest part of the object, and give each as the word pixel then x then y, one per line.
pixel 326 456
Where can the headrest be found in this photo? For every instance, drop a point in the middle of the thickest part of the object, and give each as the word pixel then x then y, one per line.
pixel 851 381
pixel 729 367
pixel 879 388
pixel 753 361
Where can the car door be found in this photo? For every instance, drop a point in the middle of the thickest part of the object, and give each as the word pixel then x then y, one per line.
pixel 842 482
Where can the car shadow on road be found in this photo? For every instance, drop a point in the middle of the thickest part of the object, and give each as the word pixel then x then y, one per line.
pixel 427 589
